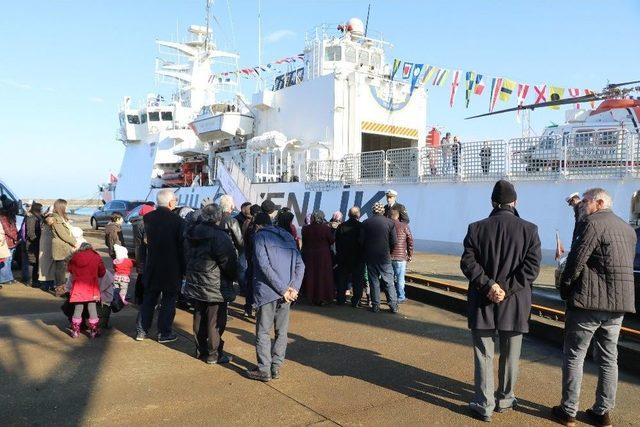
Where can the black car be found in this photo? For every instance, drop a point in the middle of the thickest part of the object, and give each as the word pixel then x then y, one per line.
pixel 102 216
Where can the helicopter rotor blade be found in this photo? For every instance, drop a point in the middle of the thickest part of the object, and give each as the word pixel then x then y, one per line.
pixel 614 85
pixel 585 98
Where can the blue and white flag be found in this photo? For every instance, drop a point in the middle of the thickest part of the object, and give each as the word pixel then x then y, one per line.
pixel 415 74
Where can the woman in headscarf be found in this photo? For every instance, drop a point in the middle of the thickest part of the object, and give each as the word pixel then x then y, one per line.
pixel 63 243
pixel 317 239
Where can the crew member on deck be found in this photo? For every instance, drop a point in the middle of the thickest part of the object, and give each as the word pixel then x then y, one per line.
pixel 392 195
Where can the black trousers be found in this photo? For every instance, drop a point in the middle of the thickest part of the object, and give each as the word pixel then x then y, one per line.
pixel 209 322
pixel 355 273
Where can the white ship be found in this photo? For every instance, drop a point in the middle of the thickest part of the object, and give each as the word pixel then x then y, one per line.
pixel 337 131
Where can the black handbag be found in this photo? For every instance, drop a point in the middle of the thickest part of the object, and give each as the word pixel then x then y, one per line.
pixel 117 304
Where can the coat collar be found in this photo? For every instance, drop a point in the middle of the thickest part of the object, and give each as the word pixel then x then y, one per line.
pixel 504 211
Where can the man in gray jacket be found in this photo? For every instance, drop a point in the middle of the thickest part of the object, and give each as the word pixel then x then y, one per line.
pixel 597 284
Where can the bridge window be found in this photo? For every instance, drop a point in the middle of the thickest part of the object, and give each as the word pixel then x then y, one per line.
pixel 167 116
pixel 143 118
pixel 133 119
pixel 350 54
pixel 376 60
pixel 363 58
pixel 154 116
pixel 333 53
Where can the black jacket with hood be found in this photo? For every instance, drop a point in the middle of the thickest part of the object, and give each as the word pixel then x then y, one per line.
pixel 212 264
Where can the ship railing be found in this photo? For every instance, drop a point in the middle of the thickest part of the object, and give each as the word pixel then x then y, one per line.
pixel 583 155
pixel 365 168
pixel 483 160
pixel 403 164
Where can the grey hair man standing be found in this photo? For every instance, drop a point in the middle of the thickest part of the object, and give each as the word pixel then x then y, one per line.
pixel 164 267
pixel 597 284
pixel 501 259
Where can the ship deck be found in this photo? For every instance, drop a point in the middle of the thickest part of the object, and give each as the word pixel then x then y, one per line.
pixel 344 366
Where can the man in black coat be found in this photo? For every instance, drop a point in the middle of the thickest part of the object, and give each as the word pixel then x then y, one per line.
pixel 349 257
pixel 598 285
pixel 501 259
pixel 212 267
pixel 164 267
pixel 392 196
pixel 378 240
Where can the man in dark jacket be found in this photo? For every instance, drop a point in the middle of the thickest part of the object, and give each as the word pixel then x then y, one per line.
pixel 392 196
pixel 140 251
pixel 349 257
pixel 164 267
pixel 32 237
pixel 597 284
pixel 501 259
pixel 402 252
pixel 245 213
pixel 378 239
pixel 212 266
pixel 278 270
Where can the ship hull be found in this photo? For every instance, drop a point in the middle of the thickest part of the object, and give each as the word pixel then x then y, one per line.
pixel 441 212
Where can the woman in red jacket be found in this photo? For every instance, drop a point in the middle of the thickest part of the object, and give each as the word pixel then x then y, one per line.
pixel 86 267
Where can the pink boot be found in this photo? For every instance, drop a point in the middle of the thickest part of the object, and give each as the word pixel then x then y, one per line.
pixel 75 326
pixel 123 297
pixel 94 331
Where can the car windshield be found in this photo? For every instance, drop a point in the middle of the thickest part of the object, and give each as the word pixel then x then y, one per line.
pixel 134 213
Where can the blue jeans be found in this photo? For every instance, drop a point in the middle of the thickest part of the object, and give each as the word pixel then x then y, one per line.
pixel 382 275
pixel 166 313
pixel 399 269
pixel 580 327
pixel 6 275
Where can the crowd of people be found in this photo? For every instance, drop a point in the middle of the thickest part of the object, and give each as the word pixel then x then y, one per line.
pixel 202 254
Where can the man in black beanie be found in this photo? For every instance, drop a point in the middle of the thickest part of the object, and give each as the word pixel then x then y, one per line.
pixel 501 259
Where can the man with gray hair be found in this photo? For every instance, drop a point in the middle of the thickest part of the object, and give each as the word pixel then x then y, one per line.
pixel 597 284
pixel 164 267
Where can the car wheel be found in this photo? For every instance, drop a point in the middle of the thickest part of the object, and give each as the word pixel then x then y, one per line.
pixel 94 223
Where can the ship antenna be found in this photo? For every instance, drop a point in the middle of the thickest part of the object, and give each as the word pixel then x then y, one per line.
pixel 366 26
pixel 207 37
pixel 260 41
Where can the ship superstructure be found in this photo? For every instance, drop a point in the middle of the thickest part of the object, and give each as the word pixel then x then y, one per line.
pixel 338 130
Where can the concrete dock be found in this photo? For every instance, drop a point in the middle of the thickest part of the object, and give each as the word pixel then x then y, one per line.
pixel 344 366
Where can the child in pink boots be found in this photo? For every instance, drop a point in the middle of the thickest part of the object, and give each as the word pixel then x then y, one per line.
pixel 122 266
pixel 86 267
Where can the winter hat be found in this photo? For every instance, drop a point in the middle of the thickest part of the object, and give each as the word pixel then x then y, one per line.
pixel 145 209
pixel 268 207
pixel 503 193
pixel 263 219
pixel 121 252
pixel 572 196
pixel 378 208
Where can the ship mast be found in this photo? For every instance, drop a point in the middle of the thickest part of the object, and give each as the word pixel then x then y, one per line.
pixel 260 80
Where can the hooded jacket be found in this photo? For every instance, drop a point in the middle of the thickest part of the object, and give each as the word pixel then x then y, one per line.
pixel 86 267
pixel 277 264
pixel 212 264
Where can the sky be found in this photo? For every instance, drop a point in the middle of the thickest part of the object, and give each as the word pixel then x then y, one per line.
pixel 67 64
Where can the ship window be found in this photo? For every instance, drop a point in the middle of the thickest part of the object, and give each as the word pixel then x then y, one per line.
pixel 376 60
pixel 608 137
pixel 154 116
pixel 333 53
pixel 133 119
pixel 121 119
pixel 167 115
pixel 350 54
pixel 363 58
pixel 143 118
